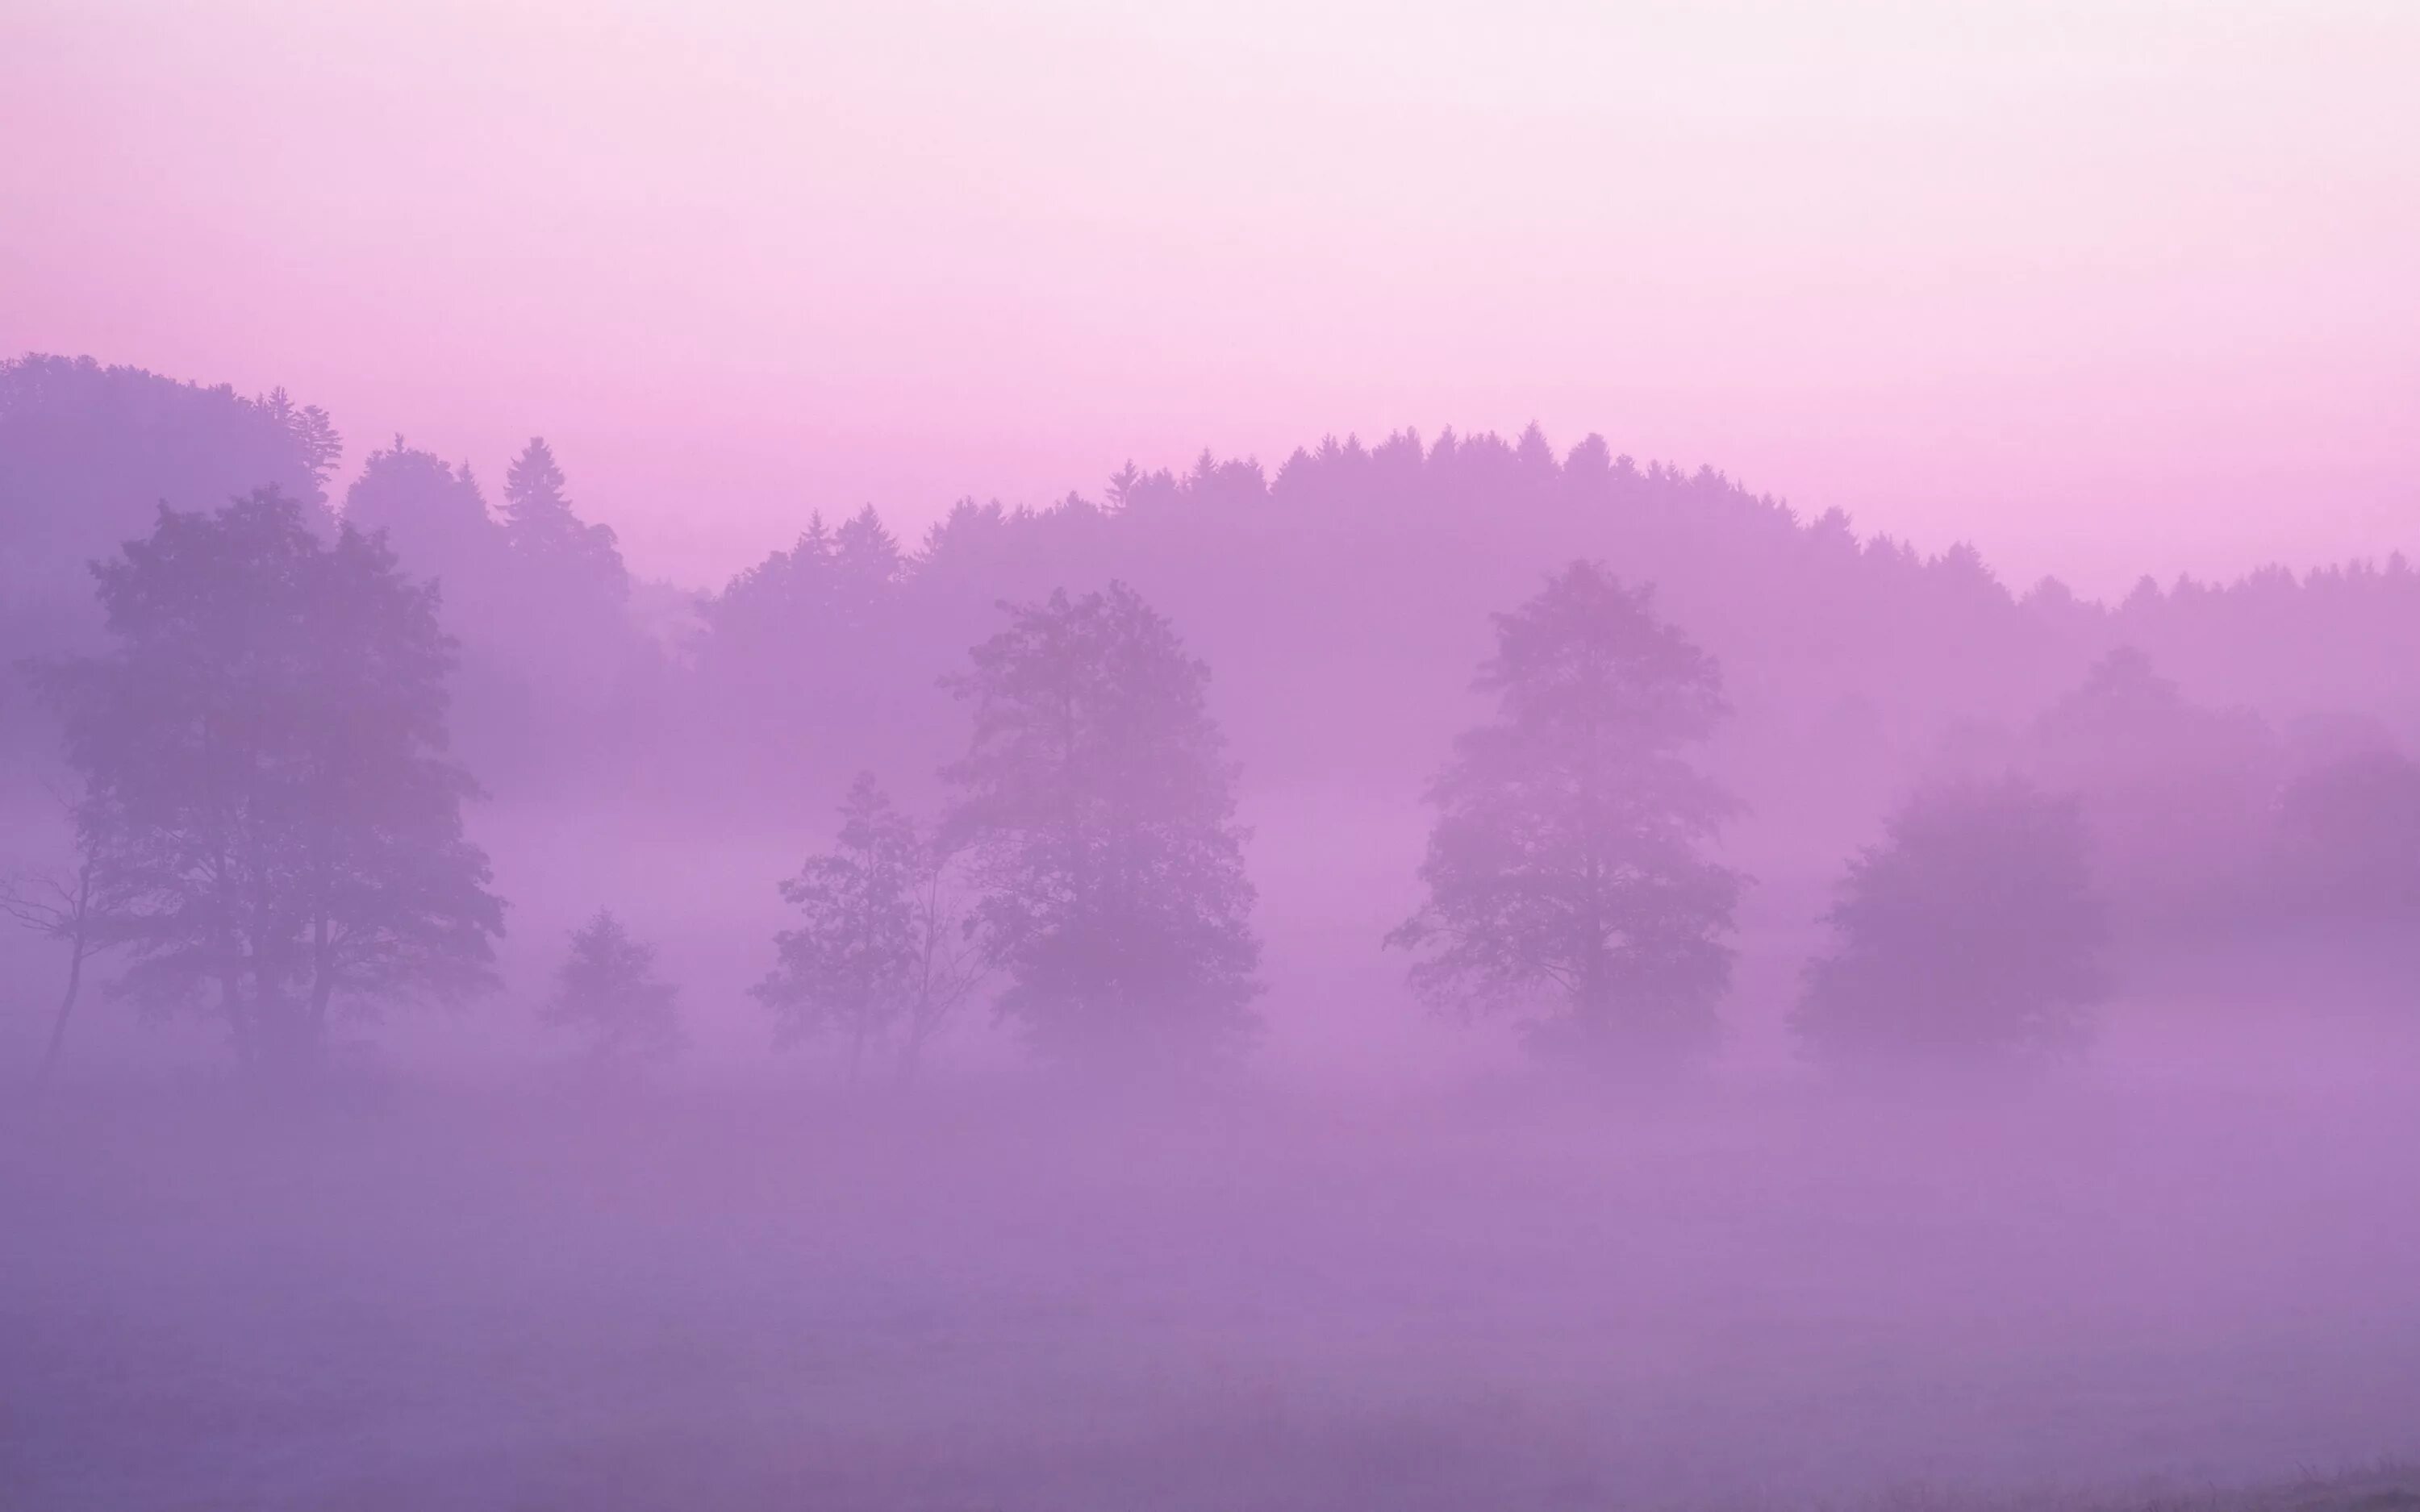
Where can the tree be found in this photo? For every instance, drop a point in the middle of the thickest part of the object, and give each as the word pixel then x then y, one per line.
pixel 1971 934
pixel 952 954
pixel 86 452
pixel 71 906
pixel 833 585
pixel 865 568
pixel 564 638
pixel 1565 872
pixel 608 991
pixel 1099 804
pixel 434 515
pixel 2175 797
pixel 2346 854
pixel 883 947
pixel 845 968
pixel 548 538
pixel 833 589
pixel 263 753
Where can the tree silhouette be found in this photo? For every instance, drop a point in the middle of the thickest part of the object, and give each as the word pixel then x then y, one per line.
pixel 867 564
pixel 547 537
pixel 884 948
pixel 952 955
pixel 2346 855
pixel 1099 801
pixel 263 753
pixel 607 992
pixel 813 644
pixel 845 969
pixel 434 515
pixel 73 906
pixel 2175 797
pixel 1565 872
pixel 1971 934
pixel 87 451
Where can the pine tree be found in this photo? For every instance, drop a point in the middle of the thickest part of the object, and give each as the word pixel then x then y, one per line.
pixel 774 602
pixel 548 537
pixel 866 567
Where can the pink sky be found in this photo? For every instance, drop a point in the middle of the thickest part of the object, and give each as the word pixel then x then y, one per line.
pixel 2104 287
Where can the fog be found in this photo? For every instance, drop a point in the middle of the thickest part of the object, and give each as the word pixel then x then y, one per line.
pixel 1448 972
pixel 1494 1299
pixel 1067 756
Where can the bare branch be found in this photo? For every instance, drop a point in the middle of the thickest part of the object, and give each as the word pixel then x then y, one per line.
pixel 21 898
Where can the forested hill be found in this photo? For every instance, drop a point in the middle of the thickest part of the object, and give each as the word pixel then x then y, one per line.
pixel 87 451
pixel 1340 601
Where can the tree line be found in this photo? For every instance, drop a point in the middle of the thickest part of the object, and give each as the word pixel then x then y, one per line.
pixel 1585 873
pixel 270 828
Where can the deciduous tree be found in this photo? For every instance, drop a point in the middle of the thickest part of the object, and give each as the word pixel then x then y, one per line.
pixel 69 905
pixel 1098 799
pixel 885 950
pixel 1566 875
pixel 263 753
pixel 1972 933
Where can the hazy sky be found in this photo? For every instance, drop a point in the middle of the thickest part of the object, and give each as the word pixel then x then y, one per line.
pixel 2104 287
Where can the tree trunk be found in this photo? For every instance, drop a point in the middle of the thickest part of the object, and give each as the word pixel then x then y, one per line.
pixel 67 1006
pixel 79 947
pixel 323 985
pixel 239 1019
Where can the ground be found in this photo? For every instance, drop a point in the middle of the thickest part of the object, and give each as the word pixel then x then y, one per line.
pixel 419 1299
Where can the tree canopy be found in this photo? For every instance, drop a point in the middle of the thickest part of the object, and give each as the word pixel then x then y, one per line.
pixel 263 753
pixel 1566 873
pixel 608 991
pixel 884 950
pixel 1099 801
pixel 547 537
pixel 1971 934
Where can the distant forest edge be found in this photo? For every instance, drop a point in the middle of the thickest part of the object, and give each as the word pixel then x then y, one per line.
pixel 1388 549
pixel 2159 772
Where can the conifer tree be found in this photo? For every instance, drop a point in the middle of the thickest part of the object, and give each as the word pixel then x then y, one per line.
pixel 547 536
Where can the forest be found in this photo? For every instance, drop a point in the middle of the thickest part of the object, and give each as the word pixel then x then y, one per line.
pixel 1613 764
pixel 1446 972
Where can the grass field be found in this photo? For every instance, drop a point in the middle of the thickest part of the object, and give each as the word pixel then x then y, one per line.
pixel 450 1301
